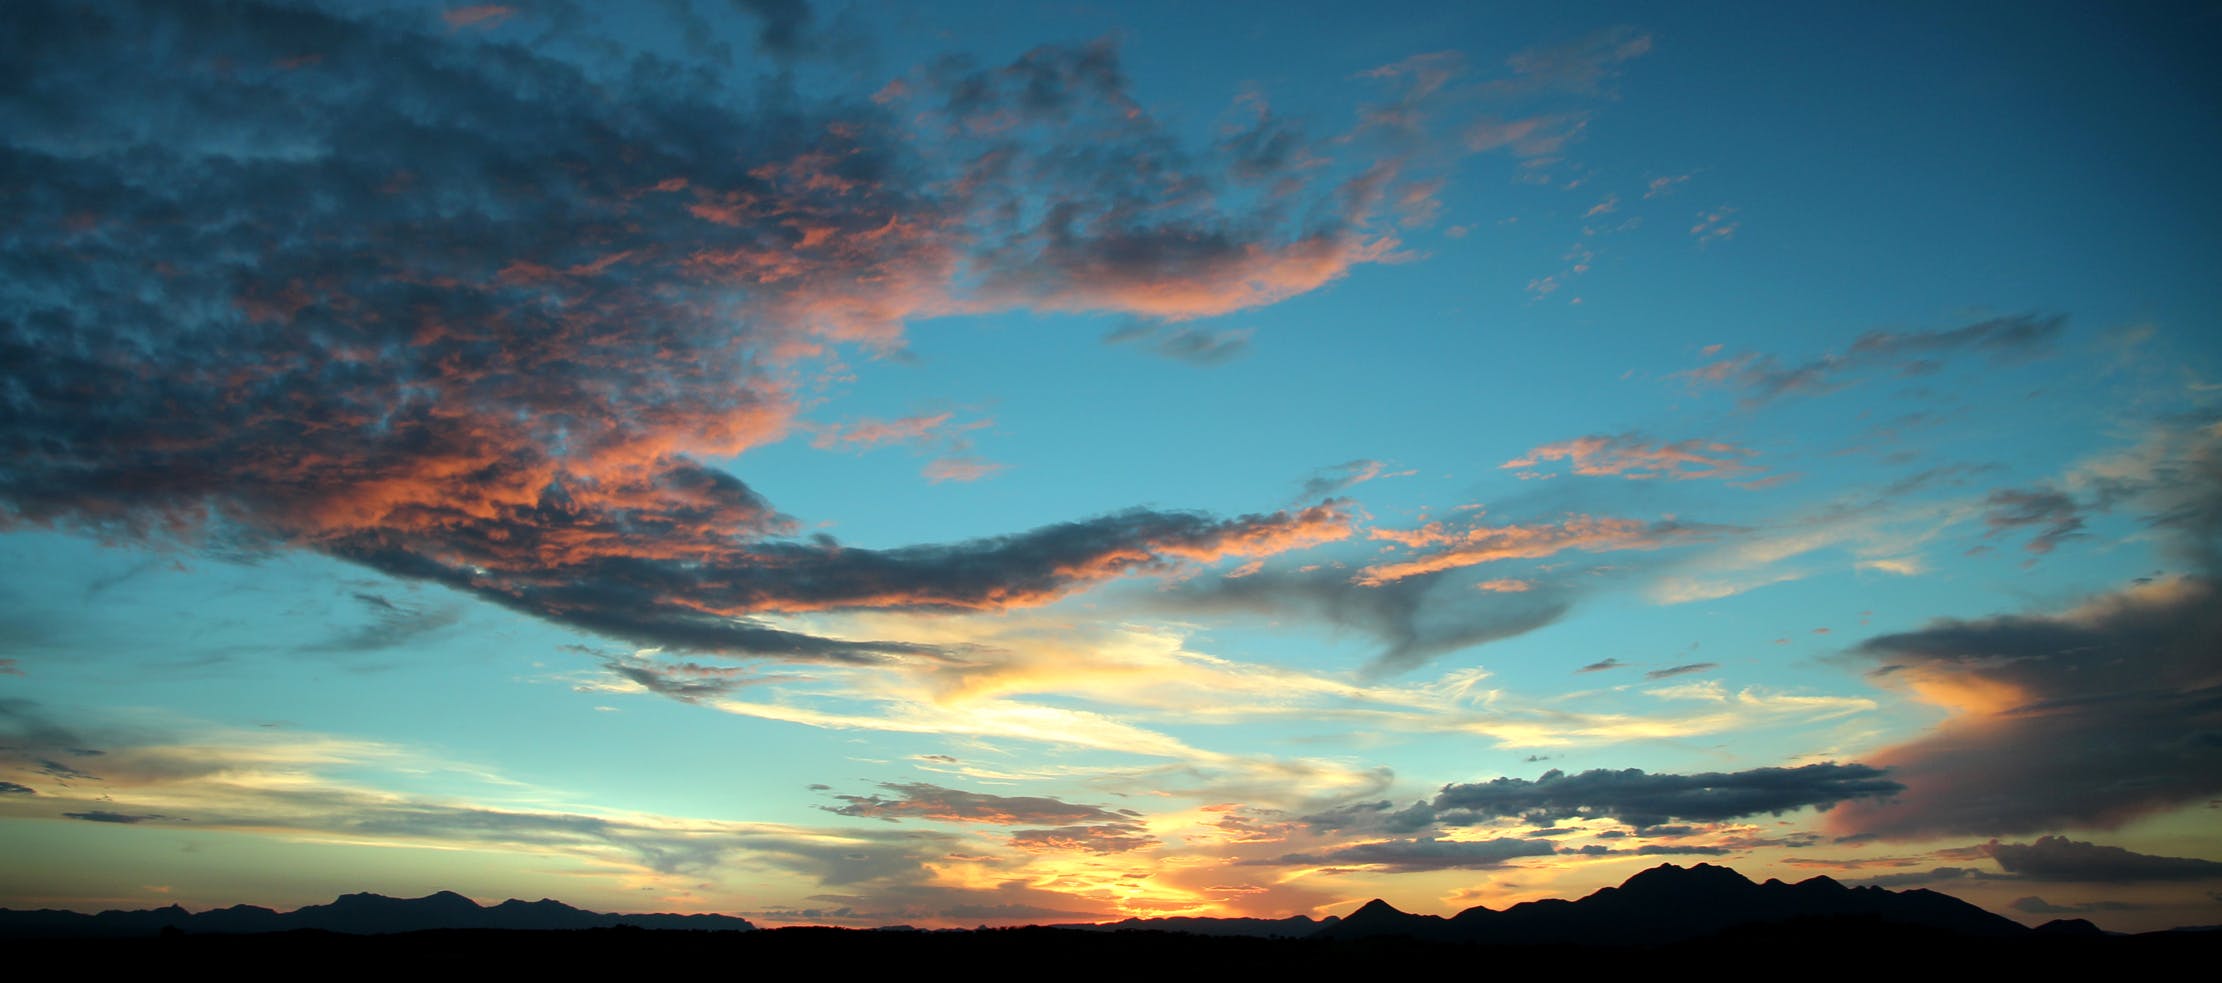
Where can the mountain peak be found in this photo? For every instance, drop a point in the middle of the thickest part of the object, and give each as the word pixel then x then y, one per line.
pixel 1673 877
pixel 1375 908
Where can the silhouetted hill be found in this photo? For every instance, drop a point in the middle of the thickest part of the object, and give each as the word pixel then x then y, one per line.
pixel 1669 904
pixel 351 914
pixel 1292 927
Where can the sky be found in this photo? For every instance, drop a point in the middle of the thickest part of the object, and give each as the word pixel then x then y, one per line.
pixel 990 463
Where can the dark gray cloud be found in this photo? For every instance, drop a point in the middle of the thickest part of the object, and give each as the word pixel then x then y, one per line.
pixel 1426 853
pixel 1382 816
pixel 1601 666
pixel 2057 858
pixel 920 800
pixel 423 299
pixel 1643 800
pixel 1681 670
pixel 104 816
pixel 11 788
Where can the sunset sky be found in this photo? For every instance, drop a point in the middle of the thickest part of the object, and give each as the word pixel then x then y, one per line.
pixel 983 463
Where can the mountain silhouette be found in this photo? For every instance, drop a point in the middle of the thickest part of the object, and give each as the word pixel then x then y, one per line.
pixel 352 914
pixel 1664 905
pixel 1668 904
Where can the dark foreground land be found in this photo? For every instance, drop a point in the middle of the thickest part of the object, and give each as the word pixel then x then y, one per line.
pixel 1823 948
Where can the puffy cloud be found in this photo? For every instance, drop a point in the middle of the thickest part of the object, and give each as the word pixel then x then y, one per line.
pixel 462 311
pixel 1642 799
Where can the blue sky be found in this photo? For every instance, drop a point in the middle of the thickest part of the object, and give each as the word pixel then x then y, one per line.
pixel 970 463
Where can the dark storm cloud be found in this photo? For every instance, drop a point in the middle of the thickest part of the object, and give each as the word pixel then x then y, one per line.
pixel 920 800
pixel 2057 858
pixel 1425 853
pixel 1643 800
pixel 459 311
pixel 1414 619
pixel 2003 340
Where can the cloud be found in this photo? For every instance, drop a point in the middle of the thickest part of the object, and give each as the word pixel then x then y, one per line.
pixel 1194 345
pixel 2087 718
pixel 1633 456
pixel 1104 838
pixel 392 626
pixel 1764 379
pixel 2058 515
pixel 920 800
pixel 1641 799
pixel 1425 853
pixel 472 313
pixel 104 816
pixel 2038 906
pixel 1681 670
pixel 1413 618
pixel 1601 666
pixel 869 433
pixel 12 788
pixel 1335 478
pixel 2057 858
pixel 961 469
pixel 1449 547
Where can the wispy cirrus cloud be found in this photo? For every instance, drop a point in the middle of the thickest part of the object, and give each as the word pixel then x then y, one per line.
pixel 1764 378
pixel 1634 456
pixel 1449 546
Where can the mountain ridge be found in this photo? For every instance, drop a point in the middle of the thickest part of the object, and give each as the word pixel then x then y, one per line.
pixel 1661 905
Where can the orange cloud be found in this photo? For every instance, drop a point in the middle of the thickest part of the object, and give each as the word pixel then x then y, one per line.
pixel 1489 544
